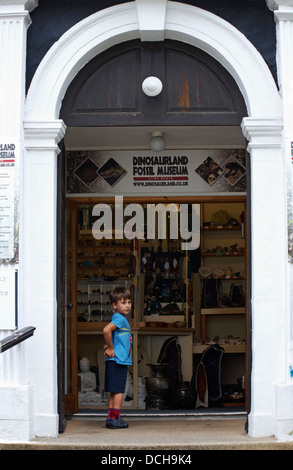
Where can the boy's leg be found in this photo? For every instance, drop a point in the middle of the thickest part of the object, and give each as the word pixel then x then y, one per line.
pixel 115 403
pixel 114 420
pixel 117 399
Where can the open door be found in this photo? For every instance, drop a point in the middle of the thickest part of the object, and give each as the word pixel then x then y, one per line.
pixel 70 327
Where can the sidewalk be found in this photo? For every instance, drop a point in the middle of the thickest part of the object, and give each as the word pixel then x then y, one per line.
pixel 154 434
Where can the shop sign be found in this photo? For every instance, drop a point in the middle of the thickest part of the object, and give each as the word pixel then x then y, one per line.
pixel 167 172
pixel 8 203
pixel 8 233
pixel 8 320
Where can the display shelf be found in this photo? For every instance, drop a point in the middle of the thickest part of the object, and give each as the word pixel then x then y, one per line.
pixel 225 244
pixel 166 318
pixel 224 278
pixel 85 327
pixel 93 304
pixel 223 311
pixel 102 258
pixel 91 328
pixel 224 255
pixel 164 330
pixel 229 228
pixel 232 404
pixel 229 348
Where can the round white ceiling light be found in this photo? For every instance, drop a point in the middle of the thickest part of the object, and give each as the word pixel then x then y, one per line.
pixel 152 86
pixel 157 142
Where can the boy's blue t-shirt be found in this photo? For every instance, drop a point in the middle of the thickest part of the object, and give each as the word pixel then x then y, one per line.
pixel 122 340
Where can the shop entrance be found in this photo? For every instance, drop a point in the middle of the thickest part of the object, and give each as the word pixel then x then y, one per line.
pixel 189 311
pixel 188 317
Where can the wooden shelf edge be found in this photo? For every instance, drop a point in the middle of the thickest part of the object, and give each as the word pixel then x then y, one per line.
pixel 219 228
pixel 222 255
pixel 236 403
pixel 163 329
pixel 224 278
pixel 223 311
pixel 91 327
pixel 228 348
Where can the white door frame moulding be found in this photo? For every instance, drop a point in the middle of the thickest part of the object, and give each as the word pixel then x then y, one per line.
pixel 156 20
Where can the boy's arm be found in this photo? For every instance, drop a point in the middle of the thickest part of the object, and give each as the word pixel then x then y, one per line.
pixel 107 331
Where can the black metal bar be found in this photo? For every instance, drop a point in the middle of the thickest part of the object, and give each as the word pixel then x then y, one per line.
pixel 16 338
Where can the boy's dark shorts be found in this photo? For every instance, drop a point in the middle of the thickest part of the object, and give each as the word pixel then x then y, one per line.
pixel 115 377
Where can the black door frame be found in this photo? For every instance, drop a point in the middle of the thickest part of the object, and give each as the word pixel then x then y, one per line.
pixel 60 263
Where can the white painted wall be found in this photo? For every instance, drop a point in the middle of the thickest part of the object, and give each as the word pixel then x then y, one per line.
pixel 16 393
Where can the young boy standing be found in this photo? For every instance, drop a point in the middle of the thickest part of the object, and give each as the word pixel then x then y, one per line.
pixel 118 355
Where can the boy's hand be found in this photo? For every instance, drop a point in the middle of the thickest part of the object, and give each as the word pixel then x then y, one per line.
pixel 107 331
pixel 108 351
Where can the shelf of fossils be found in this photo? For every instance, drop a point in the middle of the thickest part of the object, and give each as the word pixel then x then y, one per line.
pixel 223 236
pixel 101 266
pixel 231 344
pixel 108 260
pixel 221 297
pixel 222 230
pixel 93 305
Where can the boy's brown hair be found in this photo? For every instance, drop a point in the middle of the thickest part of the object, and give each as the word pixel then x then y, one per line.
pixel 119 293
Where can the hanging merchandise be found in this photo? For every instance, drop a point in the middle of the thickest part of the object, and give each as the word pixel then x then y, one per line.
pixel 237 295
pixel 164 245
pixel 201 387
pixel 131 265
pixel 208 378
pixel 167 269
pixel 194 256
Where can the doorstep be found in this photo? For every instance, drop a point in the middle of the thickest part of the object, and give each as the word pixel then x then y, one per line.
pixel 148 413
pixel 154 433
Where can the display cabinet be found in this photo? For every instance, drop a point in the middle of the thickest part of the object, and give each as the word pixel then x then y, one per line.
pixel 165 289
pixel 223 263
pixel 221 292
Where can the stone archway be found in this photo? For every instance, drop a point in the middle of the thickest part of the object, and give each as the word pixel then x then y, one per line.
pixel 262 128
pixel 133 20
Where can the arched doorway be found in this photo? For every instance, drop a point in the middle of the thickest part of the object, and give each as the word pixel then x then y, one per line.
pixel 199 100
pixel 184 23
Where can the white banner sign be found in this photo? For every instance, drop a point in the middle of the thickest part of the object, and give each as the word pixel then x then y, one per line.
pixel 168 172
pixel 7 298
pixel 7 202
